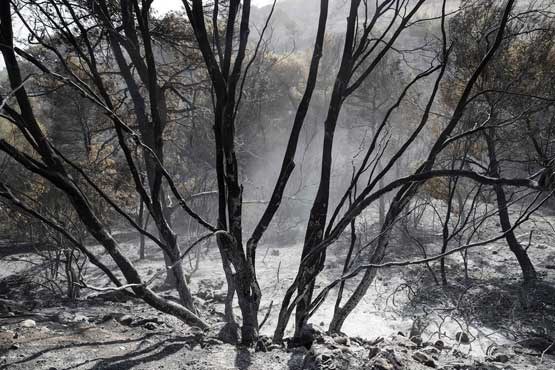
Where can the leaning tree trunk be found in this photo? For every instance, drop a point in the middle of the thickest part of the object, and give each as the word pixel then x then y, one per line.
pixel 341 313
pixel 528 272
pixel 175 276
pixel 52 168
pixel 152 116
pixel 529 275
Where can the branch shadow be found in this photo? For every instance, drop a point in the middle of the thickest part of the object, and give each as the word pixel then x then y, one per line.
pixel 296 361
pixel 243 359
pixel 74 345
pixel 155 352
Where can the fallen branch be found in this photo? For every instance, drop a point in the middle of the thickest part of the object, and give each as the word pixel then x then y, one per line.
pixel 83 284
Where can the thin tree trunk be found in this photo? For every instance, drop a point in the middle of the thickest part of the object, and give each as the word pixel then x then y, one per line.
pixel 529 275
pixel 381 201
pixel 318 214
pixel 142 242
pixel 229 316
pixel 445 230
pixel 341 314
pixel 528 272
pixel 346 267
pixel 142 222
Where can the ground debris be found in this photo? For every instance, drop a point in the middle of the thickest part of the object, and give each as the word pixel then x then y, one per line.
pixel 424 359
pixel 28 323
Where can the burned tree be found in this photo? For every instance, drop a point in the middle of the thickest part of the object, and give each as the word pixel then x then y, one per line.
pixel 115 55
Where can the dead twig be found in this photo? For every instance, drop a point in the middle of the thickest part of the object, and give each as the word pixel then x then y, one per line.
pixel 83 284
pixel 267 315
pixel 546 350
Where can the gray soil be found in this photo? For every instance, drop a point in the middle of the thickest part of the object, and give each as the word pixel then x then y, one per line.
pixel 40 330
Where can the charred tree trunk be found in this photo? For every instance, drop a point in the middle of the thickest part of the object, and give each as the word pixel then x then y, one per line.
pixel 318 214
pixel 316 227
pixel 72 277
pixel 529 275
pixel 245 281
pixel 445 229
pixel 52 168
pixel 355 54
pixel 226 70
pixel 151 114
pixel 346 266
pixel 341 314
pixel 141 222
pixel 142 240
pixel 381 201
pixel 408 191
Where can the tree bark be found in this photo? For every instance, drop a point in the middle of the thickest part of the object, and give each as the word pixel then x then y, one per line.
pixel 529 275
pixel 142 222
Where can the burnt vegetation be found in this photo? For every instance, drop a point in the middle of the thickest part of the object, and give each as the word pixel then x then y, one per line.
pixel 395 151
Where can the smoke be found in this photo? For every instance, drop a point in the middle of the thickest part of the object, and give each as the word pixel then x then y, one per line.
pixel 266 121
